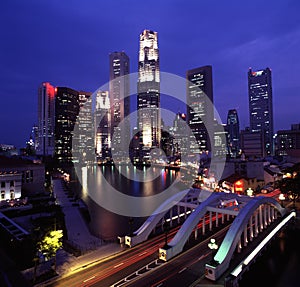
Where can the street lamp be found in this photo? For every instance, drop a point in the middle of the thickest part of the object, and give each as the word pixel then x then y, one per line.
pixel 213 246
pixel 281 198
pixel 249 191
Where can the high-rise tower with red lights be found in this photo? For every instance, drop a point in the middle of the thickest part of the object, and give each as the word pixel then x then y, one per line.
pixel 46 120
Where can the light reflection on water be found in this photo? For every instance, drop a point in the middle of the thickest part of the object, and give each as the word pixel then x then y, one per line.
pixel 279 264
pixel 130 181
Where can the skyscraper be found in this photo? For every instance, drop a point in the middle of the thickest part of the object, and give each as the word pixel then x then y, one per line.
pixel 233 133
pixel 180 141
pixel 46 120
pixel 261 106
pixel 148 100
pixel 200 112
pixel 119 101
pixel 102 125
pixel 66 112
pixel 83 139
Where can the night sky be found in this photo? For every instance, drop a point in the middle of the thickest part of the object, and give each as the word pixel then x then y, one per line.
pixel 67 43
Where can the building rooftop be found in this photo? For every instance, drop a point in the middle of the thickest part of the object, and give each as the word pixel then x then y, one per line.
pixel 12 162
pixel 235 177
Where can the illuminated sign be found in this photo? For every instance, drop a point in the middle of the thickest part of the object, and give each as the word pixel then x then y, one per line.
pixel 258 73
pixel 239 186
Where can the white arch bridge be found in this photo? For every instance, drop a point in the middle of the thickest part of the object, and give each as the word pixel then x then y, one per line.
pixel 251 215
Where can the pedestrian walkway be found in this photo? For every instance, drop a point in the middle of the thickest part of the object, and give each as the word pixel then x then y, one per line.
pixel 93 249
pixel 78 233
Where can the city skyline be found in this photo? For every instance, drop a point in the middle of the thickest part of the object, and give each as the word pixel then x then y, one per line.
pixel 35 51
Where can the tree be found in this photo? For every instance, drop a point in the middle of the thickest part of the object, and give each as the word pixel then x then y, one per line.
pixel 50 244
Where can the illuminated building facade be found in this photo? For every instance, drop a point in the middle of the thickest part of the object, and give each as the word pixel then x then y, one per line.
pixel 83 140
pixel 46 120
pixel 233 133
pixel 66 112
pixel 180 140
pixel 200 113
pixel 288 141
pixel 10 186
pixel 219 140
pixel 261 106
pixel 148 99
pixel 20 176
pixel 102 125
pixel 119 101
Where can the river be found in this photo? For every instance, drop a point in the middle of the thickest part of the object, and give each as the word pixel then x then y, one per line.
pixel 107 189
pixel 279 264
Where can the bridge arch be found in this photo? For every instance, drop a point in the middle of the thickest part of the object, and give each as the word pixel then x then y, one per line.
pixel 230 242
pixel 175 246
pixel 142 233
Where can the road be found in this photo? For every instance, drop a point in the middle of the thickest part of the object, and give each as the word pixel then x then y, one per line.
pixel 182 270
pixel 189 266
pixel 118 266
pixel 106 273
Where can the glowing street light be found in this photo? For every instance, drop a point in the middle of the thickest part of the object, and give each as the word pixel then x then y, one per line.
pixel 212 244
pixel 213 247
pixel 249 191
pixel 281 198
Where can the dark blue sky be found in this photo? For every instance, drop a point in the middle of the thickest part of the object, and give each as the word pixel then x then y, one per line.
pixel 68 42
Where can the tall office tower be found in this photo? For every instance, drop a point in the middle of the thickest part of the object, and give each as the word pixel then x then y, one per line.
pixel 180 141
pixel 200 112
pixel 66 112
pixel 83 140
pixel 219 140
pixel 46 120
pixel 261 106
pixel 233 133
pixel 119 101
pixel 148 99
pixel 102 125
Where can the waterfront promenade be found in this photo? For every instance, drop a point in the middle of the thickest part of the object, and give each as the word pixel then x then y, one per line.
pixel 92 248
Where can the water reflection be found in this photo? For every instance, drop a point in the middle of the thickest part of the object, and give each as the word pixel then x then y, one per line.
pixel 279 265
pixel 107 224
